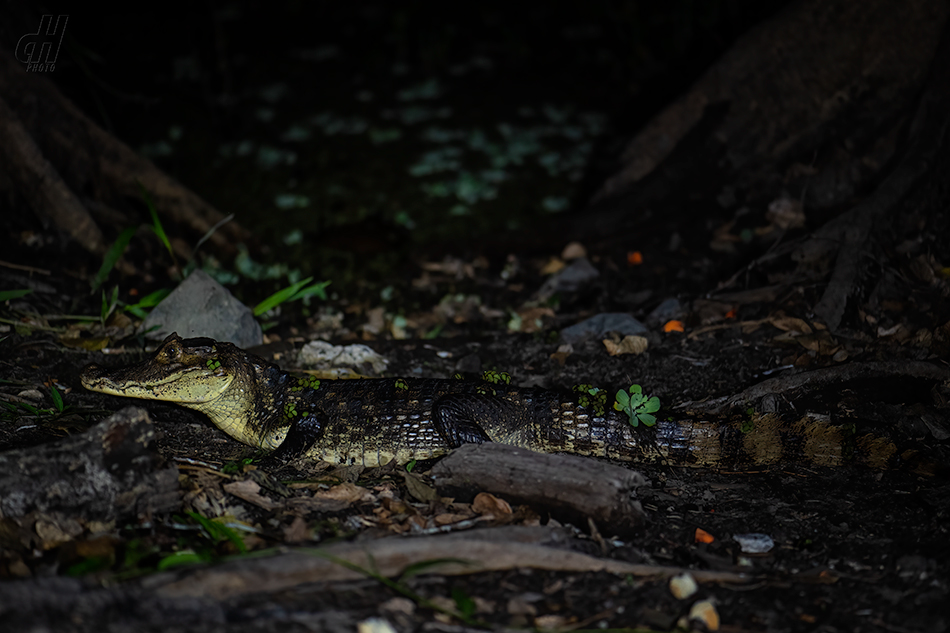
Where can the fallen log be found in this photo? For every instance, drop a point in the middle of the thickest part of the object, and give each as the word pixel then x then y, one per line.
pixel 85 483
pixel 569 487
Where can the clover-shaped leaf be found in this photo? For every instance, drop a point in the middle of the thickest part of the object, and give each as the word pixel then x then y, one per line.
pixel 638 407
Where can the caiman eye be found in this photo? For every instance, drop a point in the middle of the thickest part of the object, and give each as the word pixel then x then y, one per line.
pixel 172 352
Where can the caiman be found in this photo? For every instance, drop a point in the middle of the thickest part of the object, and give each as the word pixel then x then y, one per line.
pixel 373 421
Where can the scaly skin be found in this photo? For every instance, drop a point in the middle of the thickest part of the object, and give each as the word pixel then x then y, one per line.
pixel 373 421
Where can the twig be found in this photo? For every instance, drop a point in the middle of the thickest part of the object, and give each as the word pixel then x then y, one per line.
pixel 29 269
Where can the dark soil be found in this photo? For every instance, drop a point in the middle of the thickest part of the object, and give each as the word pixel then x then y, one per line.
pixel 856 549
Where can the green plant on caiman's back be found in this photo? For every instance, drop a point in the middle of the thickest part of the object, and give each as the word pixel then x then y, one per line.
pixel 638 407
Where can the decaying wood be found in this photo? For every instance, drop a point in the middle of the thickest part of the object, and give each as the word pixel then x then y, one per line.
pixel 86 482
pixel 852 230
pixel 41 184
pixel 460 553
pixel 567 486
pixel 43 126
pixel 784 99
pixel 823 377
pixel 206 594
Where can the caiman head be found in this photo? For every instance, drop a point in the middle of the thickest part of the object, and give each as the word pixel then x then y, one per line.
pixel 218 379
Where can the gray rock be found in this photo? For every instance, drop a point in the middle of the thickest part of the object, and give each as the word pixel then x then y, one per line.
pixel 599 325
pixel 571 278
pixel 200 306
pixel 669 309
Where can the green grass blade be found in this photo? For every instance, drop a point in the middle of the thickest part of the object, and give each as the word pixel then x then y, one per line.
pixel 206 236
pixel 318 289
pixel 148 301
pixel 156 223
pixel 6 295
pixel 280 297
pixel 112 256
pixel 57 398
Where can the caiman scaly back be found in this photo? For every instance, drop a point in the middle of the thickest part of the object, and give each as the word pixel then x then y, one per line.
pixel 373 421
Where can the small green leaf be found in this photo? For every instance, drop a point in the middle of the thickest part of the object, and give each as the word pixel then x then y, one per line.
pixel 184 557
pixel 57 398
pixel 318 289
pixel 148 301
pixel 622 401
pixel 6 295
pixel 112 256
pixel 156 223
pixel 647 419
pixel 280 297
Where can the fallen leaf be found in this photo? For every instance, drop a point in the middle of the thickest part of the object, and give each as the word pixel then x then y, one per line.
pixel 573 250
pixel 552 266
pixel 297 531
pixel 249 491
pixel 702 536
pixel 487 503
pixel 705 612
pixel 790 324
pixel 634 258
pixel 629 345
pixel 674 326
pixel 419 489
pixel 348 492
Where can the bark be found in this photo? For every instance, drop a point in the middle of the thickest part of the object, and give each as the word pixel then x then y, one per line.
pixel 53 493
pixel 65 165
pixel 569 487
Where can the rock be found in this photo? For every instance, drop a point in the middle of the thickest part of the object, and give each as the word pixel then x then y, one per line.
pixel 668 309
pixel 599 325
pixel 571 278
pixel 323 355
pixel 200 306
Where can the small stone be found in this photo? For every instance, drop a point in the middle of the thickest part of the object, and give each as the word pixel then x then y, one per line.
pixel 683 586
pixel 574 250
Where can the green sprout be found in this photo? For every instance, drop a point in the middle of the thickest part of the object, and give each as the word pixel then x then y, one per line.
pixel 294 292
pixel 496 377
pixel 638 407
pixel 591 397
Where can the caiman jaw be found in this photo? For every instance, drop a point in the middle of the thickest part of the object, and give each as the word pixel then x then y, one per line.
pixel 189 385
pixel 186 374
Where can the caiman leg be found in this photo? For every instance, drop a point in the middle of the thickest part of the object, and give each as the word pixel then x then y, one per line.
pixel 455 418
pixel 300 437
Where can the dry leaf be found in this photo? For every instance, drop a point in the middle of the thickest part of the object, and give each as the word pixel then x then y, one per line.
pixel 552 266
pixel 297 531
pixel 574 250
pixel 486 503
pixel 419 489
pixel 250 491
pixel 532 319
pixel 790 324
pixel 348 492
pixel 674 326
pixel 629 345
pixel 702 536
